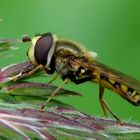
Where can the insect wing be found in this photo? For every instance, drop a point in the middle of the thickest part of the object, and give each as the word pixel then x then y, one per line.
pixel 117 76
pixel 112 74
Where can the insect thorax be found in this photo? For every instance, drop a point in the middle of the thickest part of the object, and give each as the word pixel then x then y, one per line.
pixel 66 54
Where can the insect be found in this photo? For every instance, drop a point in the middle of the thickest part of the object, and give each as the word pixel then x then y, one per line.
pixel 76 64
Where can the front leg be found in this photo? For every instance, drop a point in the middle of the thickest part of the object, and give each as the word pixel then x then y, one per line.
pixel 25 72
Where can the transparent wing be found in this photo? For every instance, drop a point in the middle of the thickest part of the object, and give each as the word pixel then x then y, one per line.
pixel 110 73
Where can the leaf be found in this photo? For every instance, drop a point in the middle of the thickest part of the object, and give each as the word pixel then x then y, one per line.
pixel 7 44
pixel 62 123
pixel 24 120
pixel 15 71
pixel 30 92
pixel 36 89
pixel 42 125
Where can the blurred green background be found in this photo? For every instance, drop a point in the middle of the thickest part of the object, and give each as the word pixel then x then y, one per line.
pixel 109 27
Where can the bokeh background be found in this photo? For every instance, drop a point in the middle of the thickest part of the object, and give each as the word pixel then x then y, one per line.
pixel 109 27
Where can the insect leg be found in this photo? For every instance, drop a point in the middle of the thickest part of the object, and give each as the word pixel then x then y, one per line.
pixel 54 78
pixel 101 93
pixel 53 94
pixel 22 74
pixel 104 105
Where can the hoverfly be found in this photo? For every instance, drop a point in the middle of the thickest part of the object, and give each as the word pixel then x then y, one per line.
pixel 74 63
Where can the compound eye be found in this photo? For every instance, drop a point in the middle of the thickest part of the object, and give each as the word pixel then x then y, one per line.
pixel 26 38
pixel 42 48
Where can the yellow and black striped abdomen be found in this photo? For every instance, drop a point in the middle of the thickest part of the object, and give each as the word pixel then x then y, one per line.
pixel 124 91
